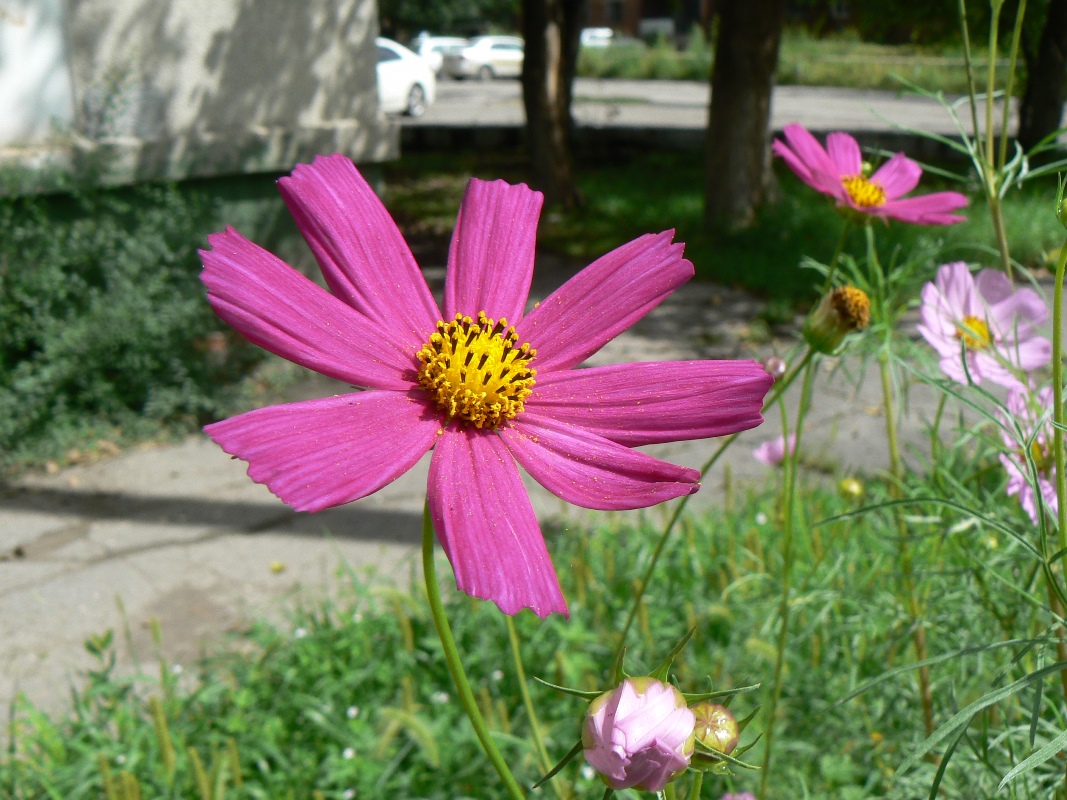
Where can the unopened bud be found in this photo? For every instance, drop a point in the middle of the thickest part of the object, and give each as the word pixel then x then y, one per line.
pixel 1061 211
pixel 850 489
pixel 775 367
pixel 716 727
pixel 844 310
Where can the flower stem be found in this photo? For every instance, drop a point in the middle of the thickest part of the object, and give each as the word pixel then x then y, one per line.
pixel 527 702
pixel 789 499
pixel 779 389
pixel 1057 402
pixel 698 784
pixel 896 470
pixel 837 255
pixel 455 665
pixel 1016 36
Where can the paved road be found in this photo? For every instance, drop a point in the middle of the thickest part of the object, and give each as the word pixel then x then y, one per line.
pixel 684 104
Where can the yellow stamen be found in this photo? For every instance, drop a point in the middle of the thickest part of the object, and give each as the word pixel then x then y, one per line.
pixel 853 306
pixel 1042 456
pixel 864 192
pixel 475 370
pixel 974 331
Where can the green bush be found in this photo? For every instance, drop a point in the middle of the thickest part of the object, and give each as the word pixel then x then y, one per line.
pixel 103 325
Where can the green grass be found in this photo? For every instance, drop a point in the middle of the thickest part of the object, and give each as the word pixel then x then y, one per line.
pixel 835 60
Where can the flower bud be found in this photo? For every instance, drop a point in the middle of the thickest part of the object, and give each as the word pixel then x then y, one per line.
pixel 842 311
pixel 775 367
pixel 850 489
pixel 640 734
pixel 1061 211
pixel 716 727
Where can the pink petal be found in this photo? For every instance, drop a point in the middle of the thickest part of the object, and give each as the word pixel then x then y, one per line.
pixel 1018 314
pixel 591 471
pixel 486 524
pixel 646 403
pixel 603 300
pixel 364 258
pixel 844 151
pixel 823 172
pixel 927 209
pixel 279 309
pixel 490 262
pixel 1031 354
pixel 898 176
pixel 327 452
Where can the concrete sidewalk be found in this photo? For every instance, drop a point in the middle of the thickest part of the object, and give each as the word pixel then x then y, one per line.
pixel 181 534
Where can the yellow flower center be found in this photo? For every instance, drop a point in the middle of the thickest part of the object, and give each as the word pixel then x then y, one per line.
pixel 864 192
pixel 475 370
pixel 1042 456
pixel 853 306
pixel 974 331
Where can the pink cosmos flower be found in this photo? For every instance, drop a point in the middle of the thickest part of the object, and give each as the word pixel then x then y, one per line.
pixel 838 172
pixel 983 320
pixel 640 734
pixel 1032 414
pixel 483 384
pixel 773 453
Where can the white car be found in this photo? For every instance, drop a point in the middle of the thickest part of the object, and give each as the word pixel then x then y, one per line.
pixel 433 49
pixel 596 37
pixel 487 57
pixel 405 83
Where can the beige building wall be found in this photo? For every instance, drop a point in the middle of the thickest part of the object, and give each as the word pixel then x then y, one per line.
pixel 178 88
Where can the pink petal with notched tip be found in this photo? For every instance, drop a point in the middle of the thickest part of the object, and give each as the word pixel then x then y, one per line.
pixel 591 471
pixel 927 209
pixel 898 176
pixel 819 171
pixel 1018 315
pixel 365 260
pixel 603 300
pixel 486 524
pixel 491 259
pixel 323 453
pixel 648 403
pixel 280 310
pixel 844 152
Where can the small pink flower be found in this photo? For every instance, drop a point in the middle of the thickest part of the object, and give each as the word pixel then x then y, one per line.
pixel 640 734
pixel 482 384
pixel 838 172
pixel 739 796
pixel 983 320
pixel 1032 414
pixel 773 453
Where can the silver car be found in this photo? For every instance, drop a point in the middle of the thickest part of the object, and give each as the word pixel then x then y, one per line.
pixel 487 57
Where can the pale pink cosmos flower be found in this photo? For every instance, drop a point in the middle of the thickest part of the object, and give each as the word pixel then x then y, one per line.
pixel 1032 414
pixel 739 796
pixel 773 453
pixel 838 171
pixel 981 319
pixel 482 383
pixel 639 735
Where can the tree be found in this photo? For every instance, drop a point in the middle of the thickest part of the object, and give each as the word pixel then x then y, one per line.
pixel 551 30
pixel 1046 67
pixel 406 18
pixel 738 177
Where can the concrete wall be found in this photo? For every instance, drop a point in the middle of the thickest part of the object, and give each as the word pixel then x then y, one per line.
pixel 177 88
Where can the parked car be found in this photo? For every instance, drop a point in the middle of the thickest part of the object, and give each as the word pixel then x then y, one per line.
pixel 405 83
pixel 596 37
pixel 487 57
pixel 432 49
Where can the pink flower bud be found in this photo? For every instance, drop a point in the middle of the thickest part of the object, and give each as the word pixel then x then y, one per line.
pixel 640 734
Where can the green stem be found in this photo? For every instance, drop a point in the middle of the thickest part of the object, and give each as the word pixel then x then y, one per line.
pixel 1010 86
pixel 535 726
pixel 1057 402
pixel 455 665
pixel 779 388
pixel 790 463
pixel 837 255
pixel 896 469
pixel 991 85
pixel 971 93
pixel 698 784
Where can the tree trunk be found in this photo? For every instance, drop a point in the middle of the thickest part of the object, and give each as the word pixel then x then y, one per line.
pixel 1042 103
pixel 551 30
pixel 737 177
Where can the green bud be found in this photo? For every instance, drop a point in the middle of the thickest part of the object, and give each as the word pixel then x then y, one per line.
pixel 716 727
pixel 844 310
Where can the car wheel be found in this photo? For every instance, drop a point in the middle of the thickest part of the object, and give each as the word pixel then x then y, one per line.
pixel 416 106
pixel 485 73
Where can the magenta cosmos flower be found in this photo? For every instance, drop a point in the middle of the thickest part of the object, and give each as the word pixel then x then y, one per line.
pixel 982 320
pixel 481 383
pixel 773 453
pixel 1031 414
pixel 639 735
pixel 838 171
